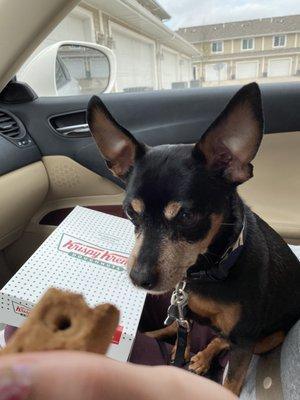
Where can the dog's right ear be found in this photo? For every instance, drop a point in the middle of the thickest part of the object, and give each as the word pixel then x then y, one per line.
pixel 232 140
pixel 117 146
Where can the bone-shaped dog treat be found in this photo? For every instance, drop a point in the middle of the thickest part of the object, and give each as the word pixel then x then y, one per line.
pixel 63 321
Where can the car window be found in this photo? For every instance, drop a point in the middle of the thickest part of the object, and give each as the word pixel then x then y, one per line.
pixel 167 44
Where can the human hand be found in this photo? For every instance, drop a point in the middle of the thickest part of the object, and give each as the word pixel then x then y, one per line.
pixel 85 376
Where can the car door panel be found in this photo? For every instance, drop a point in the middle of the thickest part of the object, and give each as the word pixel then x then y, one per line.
pixel 274 191
pixel 78 175
pixel 11 158
pixel 71 184
pixel 178 116
pixel 22 193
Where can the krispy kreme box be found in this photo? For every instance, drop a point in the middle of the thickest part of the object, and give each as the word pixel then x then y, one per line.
pixel 87 253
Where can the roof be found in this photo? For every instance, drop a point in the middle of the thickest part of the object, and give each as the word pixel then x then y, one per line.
pixel 140 19
pixel 155 8
pixel 237 29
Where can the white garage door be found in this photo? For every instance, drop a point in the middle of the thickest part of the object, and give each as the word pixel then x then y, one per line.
pixel 169 69
pixel 71 28
pixel 185 70
pixel 246 69
pixel 216 72
pixel 76 26
pixel 135 62
pixel 281 67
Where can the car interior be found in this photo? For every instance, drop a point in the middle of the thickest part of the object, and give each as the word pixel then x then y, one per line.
pixel 45 173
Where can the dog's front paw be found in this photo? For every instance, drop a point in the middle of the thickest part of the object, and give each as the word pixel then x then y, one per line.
pixel 164 333
pixel 153 334
pixel 200 363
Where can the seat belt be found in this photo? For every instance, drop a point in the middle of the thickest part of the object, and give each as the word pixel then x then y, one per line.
pixel 268 376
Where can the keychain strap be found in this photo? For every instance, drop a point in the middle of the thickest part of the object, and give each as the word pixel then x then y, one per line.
pixel 182 337
pixel 180 300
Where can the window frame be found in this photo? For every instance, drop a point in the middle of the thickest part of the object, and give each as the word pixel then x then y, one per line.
pixel 218 51
pixel 279 36
pixel 253 44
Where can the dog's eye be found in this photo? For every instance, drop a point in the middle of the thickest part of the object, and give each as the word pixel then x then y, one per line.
pixel 131 214
pixel 188 217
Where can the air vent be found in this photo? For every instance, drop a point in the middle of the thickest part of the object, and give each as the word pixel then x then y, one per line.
pixel 13 129
pixel 9 126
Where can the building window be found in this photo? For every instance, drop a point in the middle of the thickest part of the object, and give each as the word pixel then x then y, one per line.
pixel 217 47
pixel 248 44
pixel 279 40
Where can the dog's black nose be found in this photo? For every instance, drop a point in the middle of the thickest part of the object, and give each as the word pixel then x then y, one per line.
pixel 144 279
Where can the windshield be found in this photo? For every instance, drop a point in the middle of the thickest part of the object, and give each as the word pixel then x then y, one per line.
pixel 186 44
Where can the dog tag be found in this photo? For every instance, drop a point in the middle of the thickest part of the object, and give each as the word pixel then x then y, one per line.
pixel 181 299
pixel 178 308
pixel 173 314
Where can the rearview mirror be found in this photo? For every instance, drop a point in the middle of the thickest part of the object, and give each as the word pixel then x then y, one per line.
pixel 71 68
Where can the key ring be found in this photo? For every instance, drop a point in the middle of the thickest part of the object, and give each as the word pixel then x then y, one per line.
pixel 181 286
pixel 184 323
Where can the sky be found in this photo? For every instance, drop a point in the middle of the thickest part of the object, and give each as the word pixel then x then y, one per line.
pixel 203 12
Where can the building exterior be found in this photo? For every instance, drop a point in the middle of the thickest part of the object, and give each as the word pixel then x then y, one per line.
pixel 265 50
pixel 149 55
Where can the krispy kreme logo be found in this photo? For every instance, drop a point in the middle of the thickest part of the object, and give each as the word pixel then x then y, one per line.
pixel 21 310
pixel 117 335
pixel 78 248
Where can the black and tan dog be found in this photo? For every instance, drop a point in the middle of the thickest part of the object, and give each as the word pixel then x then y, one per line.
pixel 242 278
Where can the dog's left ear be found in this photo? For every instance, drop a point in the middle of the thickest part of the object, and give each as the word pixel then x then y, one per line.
pixel 231 142
pixel 118 147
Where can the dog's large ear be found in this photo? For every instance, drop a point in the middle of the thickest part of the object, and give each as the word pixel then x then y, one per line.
pixel 117 146
pixel 231 142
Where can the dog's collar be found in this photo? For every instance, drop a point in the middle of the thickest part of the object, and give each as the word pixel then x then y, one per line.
pixel 210 268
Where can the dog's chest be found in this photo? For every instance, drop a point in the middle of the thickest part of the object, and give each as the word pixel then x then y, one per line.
pixel 222 316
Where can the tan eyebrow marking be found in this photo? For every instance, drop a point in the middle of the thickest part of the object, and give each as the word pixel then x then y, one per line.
pixel 172 209
pixel 185 254
pixel 138 205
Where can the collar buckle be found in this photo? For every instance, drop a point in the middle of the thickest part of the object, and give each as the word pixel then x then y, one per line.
pixel 178 308
pixel 211 268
